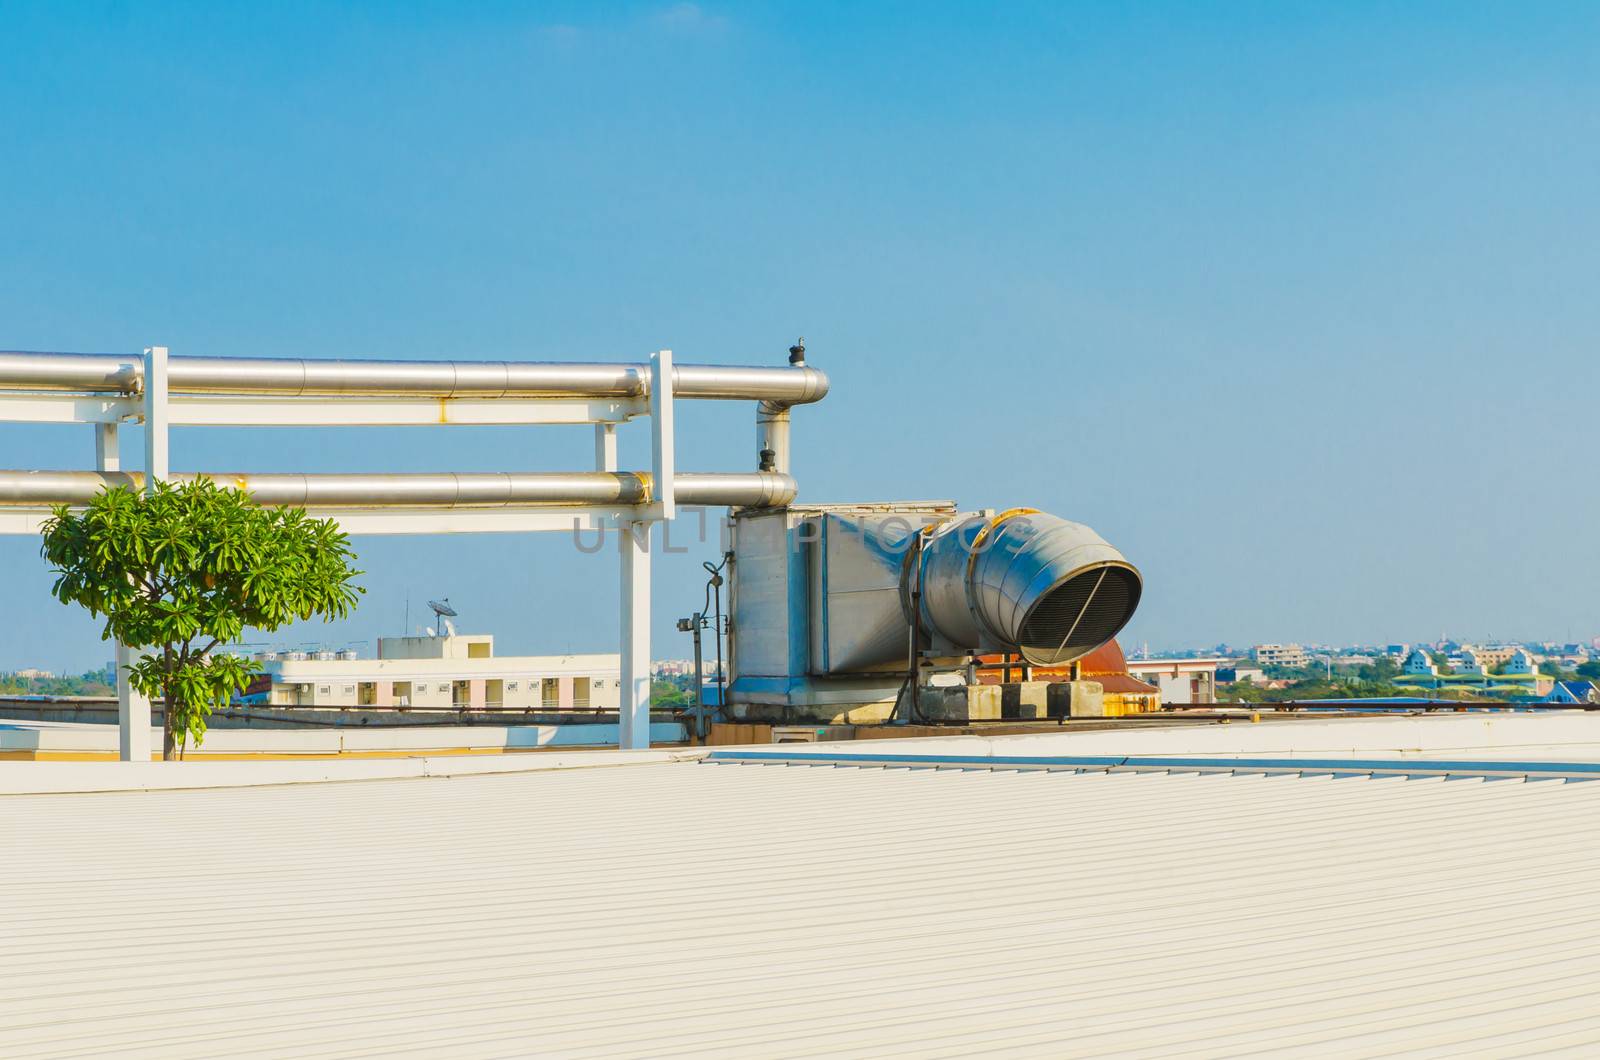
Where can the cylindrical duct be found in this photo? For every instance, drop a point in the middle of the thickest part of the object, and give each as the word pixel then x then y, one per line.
pixel 527 489
pixel 1023 581
pixel 109 373
pixel 772 434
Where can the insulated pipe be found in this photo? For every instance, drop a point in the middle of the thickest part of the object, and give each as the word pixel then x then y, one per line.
pixel 526 489
pixel 117 374
pixel 1021 581
pixel 772 436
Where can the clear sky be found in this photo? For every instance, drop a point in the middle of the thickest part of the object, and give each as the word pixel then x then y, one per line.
pixel 1295 303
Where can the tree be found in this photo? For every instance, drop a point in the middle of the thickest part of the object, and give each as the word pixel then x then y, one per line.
pixel 186 568
pixel 668 694
pixel 1590 669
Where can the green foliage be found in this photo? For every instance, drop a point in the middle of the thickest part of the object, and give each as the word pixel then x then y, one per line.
pixel 183 569
pixel 1381 670
pixel 1590 669
pixel 93 683
pixel 670 694
pixel 1553 670
pixel 1341 687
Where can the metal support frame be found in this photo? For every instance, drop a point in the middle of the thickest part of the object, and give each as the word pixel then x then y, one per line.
pixel 633 716
pixel 263 393
pixel 133 709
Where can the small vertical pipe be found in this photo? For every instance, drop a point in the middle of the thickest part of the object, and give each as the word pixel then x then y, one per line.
pixel 699 621
pixel 772 435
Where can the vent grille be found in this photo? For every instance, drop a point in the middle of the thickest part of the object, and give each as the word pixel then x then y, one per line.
pixel 1079 615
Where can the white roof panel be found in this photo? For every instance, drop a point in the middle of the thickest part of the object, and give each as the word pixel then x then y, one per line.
pixel 658 910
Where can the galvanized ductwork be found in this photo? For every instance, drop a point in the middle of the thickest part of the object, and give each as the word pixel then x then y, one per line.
pixel 1021 581
pixel 488 489
pixel 110 373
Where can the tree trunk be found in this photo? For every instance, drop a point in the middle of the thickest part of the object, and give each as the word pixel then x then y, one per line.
pixel 169 745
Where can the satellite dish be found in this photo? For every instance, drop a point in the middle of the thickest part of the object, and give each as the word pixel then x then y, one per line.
pixel 444 612
pixel 449 628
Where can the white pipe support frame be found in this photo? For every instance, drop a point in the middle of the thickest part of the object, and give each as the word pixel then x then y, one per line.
pixel 105 389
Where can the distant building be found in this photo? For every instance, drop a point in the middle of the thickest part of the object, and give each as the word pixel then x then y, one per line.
pixel 451 672
pixel 1420 664
pixel 1490 656
pixel 1180 680
pixel 1280 655
pixel 1236 672
pixel 1521 663
pixel 1466 661
pixel 34 674
pixel 1582 693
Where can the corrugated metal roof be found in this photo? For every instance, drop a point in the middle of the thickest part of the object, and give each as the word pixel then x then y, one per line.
pixel 657 910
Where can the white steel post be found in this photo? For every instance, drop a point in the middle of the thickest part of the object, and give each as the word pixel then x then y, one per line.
pixel 605 447
pixel 155 416
pixel 633 717
pixel 107 454
pixel 133 710
pixel 661 462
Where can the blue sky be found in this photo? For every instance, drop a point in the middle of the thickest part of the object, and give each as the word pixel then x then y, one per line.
pixel 1295 303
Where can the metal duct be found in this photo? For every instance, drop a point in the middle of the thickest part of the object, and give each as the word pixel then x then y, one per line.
pixel 527 489
pixel 1023 581
pixel 107 373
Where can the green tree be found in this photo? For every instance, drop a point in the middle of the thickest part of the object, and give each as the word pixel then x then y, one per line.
pixel 186 568
pixel 668 694
pixel 1590 669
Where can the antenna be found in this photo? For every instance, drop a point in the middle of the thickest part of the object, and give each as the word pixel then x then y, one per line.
pixel 443 610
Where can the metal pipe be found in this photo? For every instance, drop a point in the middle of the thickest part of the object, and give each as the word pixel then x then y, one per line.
pixel 1021 581
pixel 110 373
pixel 772 436
pixel 500 490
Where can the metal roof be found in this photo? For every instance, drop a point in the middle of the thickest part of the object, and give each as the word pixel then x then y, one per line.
pixel 772 909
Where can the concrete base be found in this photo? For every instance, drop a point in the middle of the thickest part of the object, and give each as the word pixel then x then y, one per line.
pixel 1077 699
pixel 960 703
pixel 1024 700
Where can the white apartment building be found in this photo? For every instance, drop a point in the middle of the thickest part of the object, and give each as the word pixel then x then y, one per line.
pixel 458 671
pixel 1192 681
pixel 1280 655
